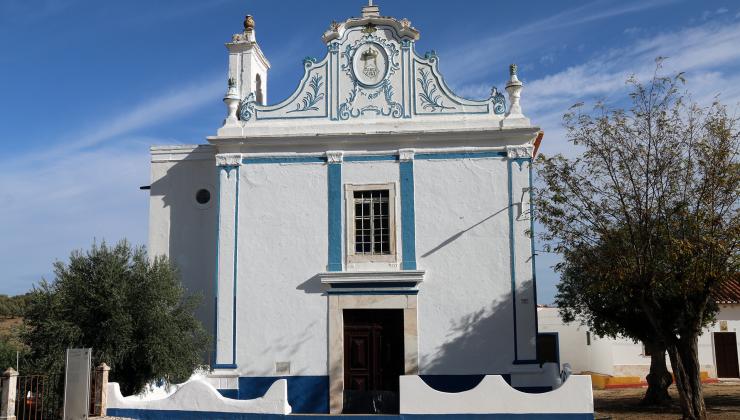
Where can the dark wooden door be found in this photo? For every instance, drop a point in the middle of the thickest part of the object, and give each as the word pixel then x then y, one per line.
pixel 725 352
pixel 373 360
pixel 547 348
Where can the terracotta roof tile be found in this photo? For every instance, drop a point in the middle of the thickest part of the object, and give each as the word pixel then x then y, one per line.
pixel 728 292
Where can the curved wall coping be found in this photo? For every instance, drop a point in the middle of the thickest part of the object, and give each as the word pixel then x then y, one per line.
pixel 200 396
pixel 494 395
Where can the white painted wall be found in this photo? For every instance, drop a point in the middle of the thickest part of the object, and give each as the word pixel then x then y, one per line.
pixel 621 356
pixel 281 312
pixel 178 226
pixel 462 241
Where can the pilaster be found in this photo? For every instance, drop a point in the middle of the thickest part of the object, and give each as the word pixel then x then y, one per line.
pixel 228 165
pixel 519 160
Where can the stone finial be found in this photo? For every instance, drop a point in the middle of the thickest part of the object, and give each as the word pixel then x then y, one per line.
pixel 232 103
pixel 248 23
pixel 103 367
pixel 514 89
pixel 9 372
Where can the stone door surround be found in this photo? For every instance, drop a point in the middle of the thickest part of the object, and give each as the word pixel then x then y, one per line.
pixel 337 304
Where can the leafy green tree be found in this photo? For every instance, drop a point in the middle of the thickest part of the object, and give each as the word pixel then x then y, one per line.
pixel 131 310
pixel 647 220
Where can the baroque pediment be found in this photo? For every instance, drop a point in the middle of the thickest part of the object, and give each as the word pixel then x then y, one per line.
pixel 371 71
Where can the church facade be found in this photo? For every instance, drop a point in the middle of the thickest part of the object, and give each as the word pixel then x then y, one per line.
pixel 372 225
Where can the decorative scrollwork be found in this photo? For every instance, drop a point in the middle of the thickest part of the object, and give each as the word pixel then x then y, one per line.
pixel 430 99
pixel 499 102
pixel 312 97
pixel 246 107
pixel 390 109
pixel 310 61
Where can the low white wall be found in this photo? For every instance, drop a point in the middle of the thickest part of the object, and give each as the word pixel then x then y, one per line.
pixel 198 395
pixel 494 396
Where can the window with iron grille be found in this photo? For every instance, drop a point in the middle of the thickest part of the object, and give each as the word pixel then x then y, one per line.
pixel 371 223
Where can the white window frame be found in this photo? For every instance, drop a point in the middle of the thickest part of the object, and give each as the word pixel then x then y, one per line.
pixel 349 199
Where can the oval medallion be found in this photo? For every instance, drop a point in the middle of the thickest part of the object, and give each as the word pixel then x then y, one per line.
pixel 370 64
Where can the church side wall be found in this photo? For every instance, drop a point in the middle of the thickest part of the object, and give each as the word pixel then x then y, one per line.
pixel 282 245
pixel 462 224
pixel 183 229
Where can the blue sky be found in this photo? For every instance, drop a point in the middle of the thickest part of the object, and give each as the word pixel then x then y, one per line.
pixel 87 86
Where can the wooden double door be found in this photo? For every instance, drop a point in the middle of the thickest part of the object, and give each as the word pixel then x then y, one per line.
pixel 725 354
pixel 373 360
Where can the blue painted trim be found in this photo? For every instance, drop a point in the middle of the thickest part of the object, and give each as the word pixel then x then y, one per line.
pixel 224 366
pixel 334 179
pixel 512 257
pixel 283 159
pixel 408 218
pixel 236 267
pixel 205 415
pixel 229 393
pixel 373 292
pixel 306 394
pixel 370 158
pixel 376 284
pixel 461 155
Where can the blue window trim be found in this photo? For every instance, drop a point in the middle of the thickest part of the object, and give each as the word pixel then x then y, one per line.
pixel 372 292
pixel 408 217
pixel 334 181
pixel 224 366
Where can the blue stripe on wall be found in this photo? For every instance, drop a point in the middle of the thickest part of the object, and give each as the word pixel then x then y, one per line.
pixel 283 159
pixel 204 415
pixel 306 394
pixel 370 158
pixel 460 155
pixel 334 180
pixel 408 219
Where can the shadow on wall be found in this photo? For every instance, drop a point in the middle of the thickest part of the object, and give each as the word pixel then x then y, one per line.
pixel 478 343
pixel 461 233
pixel 192 229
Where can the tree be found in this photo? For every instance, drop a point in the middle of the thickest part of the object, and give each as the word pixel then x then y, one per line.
pixel 132 311
pixel 647 220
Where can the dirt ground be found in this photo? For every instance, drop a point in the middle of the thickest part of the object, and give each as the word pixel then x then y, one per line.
pixel 722 399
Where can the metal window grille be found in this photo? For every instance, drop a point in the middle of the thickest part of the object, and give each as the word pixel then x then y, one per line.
pixel 372 223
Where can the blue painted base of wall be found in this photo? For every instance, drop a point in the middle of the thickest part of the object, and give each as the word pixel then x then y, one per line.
pixel 306 394
pixel 230 393
pixel 193 415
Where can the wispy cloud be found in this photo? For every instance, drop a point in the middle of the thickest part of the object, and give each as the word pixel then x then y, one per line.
pixel 476 57
pixel 63 197
pixel 158 109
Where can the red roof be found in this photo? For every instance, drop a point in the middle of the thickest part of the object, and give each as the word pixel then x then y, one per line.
pixel 728 292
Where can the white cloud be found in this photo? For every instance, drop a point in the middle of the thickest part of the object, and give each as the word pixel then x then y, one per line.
pixel 476 57
pixel 705 53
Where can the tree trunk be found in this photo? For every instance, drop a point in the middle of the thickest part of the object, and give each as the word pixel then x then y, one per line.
pixel 659 379
pixel 685 362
